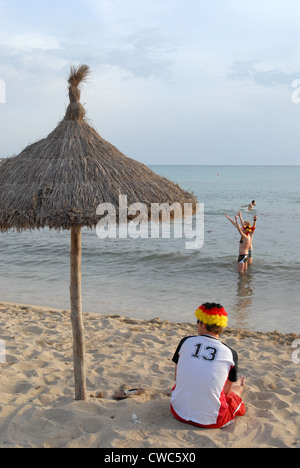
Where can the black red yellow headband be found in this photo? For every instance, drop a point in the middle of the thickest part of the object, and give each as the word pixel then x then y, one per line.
pixel 248 228
pixel 214 316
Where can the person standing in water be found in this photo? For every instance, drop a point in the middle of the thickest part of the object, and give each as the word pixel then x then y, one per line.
pixel 244 245
pixel 247 226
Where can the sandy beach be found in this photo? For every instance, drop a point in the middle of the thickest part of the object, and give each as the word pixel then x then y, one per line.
pixel 37 406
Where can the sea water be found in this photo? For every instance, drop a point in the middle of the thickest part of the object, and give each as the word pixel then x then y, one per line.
pixel 147 278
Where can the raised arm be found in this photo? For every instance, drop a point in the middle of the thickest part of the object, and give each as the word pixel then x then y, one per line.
pixel 240 216
pixel 254 224
pixel 231 220
pixel 239 228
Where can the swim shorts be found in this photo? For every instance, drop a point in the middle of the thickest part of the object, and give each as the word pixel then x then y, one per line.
pixel 250 253
pixel 235 407
pixel 243 258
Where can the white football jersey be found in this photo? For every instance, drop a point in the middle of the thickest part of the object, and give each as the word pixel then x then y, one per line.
pixel 204 364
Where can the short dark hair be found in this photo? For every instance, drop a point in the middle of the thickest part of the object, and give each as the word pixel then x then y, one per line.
pixel 215 329
pixel 212 305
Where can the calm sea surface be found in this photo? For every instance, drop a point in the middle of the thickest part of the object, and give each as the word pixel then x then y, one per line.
pixel 146 278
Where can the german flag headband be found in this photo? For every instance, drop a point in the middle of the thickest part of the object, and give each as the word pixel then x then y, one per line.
pixel 213 316
pixel 248 228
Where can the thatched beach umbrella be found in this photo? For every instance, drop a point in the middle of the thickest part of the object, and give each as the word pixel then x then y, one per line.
pixel 60 180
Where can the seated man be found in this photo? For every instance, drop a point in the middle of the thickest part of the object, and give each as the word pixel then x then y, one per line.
pixel 207 391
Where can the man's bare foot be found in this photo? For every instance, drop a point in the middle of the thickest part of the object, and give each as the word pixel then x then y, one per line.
pixel 242 381
pixel 238 386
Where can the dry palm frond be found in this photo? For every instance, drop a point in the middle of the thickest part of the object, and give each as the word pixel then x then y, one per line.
pixel 78 75
pixel 75 111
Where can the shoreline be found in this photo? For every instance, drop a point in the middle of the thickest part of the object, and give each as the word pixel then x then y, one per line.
pixel 290 336
pixel 37 406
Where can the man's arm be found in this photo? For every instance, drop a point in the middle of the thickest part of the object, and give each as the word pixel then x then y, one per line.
pixel 239 227
pixel 254 226
pixel 228 387
pixel 240 216
pixel 233 373
pixel 231 220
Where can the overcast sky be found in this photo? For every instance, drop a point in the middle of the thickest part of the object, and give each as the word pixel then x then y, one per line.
pixel 173 81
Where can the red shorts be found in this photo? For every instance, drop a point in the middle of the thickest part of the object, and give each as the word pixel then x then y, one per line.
pixel 235 407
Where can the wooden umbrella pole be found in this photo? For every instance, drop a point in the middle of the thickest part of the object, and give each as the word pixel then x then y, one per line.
pixel 76 315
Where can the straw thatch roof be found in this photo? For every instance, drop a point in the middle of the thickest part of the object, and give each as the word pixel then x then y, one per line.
pixel 60 180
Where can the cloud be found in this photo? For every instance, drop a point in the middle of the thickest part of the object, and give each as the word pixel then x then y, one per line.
pixel 259 73
pixel 146 53
pixel 17 43
pixel 27 53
